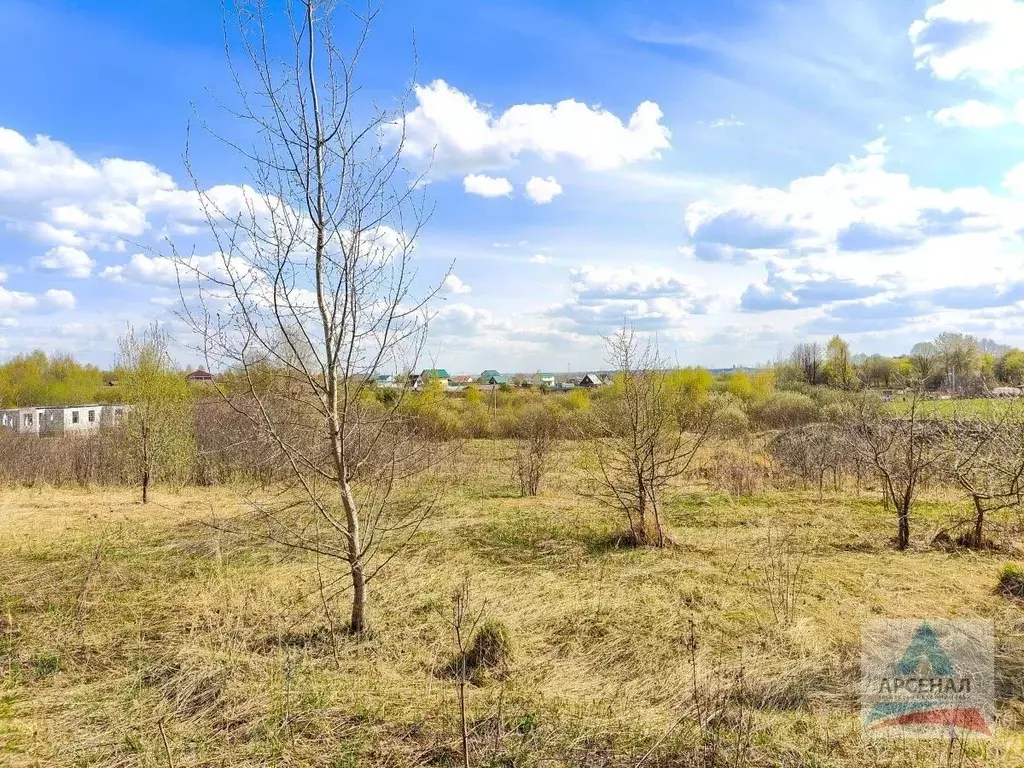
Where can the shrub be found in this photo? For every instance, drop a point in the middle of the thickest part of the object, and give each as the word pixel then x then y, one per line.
pixel 440 423
pixel 476 421
pixel 783 410
pixel 731 421
pixel 577 400
pixel 1011 581
pixel 740 386
pixel 473 395
pixel 736 471
pixel 490 650
pixel 535 433
pixel 387 395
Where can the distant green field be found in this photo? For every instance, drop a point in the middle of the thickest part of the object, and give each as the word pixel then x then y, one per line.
pixel 971 407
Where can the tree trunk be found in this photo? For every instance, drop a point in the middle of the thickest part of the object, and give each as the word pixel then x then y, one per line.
pixel 357 625
pixel 904 535
pixel 145 463
pixel 979 523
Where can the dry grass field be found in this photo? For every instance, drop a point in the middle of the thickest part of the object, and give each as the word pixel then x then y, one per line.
pixel 138 636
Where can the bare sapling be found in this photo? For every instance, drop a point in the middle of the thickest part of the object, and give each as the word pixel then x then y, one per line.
pixel 986 460
pixel 534 439
pixel 313 291
pixel 648 437
pixel 904 448
pixel 780 576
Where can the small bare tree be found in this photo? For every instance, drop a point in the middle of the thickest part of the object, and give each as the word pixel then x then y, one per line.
pixel 904 448
pixel 313 290
pixel 648 436
pixel 987 462
pixel 533 438
pixel 463 622
pixel 813 452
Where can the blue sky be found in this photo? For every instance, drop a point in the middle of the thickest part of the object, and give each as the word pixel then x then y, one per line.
pixel 732 176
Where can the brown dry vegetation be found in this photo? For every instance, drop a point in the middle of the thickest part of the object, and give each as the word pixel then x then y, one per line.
pixel 121 626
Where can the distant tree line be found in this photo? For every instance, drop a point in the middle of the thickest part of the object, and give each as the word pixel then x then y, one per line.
pixel 38 379
pixel 960 363
pixel 955 362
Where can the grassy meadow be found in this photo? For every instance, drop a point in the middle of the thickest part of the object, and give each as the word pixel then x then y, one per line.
pixel 140 636
pixel 964 408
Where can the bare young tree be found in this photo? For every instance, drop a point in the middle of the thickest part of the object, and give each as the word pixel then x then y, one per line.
pixel 533 438
pixel 987 462
pixel 904 448
pixel 313 290
pixel 648 436
pixel 813 452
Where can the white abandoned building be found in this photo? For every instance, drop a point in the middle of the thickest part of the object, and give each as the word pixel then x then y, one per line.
pixel 72 419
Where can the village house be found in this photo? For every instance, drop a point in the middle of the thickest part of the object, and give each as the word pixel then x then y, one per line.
pixel 492 377
pixel 429 374
pixel 591 381
pixel 200 376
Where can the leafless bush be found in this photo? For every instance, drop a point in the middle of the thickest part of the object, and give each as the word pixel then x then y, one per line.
pixel 736 470
pixel 649 437
pixel 534 438
pixel 815 454
pixel 94 459
pixel 229 449
pixel 903 450
pixel 479 645
pixel 986 460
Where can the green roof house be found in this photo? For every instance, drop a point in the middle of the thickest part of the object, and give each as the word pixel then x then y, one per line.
pixel 434 373
pixel 492 377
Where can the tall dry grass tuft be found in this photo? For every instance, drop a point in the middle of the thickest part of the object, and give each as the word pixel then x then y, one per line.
pixel 780 575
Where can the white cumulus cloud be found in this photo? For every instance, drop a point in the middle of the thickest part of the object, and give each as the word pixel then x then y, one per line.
pixel 18 301
pixel 980 39
pixel 52 196
pixel 543 191
pixel 453 286
pixel 860 236
pixel 143 269
pixel 67 260
pixel 974 114
pixel 1013 181
pixel 487 186
pixel 539 258
pixel 650 298
pixel 460 134
pixel 58 299
pixel 14 301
